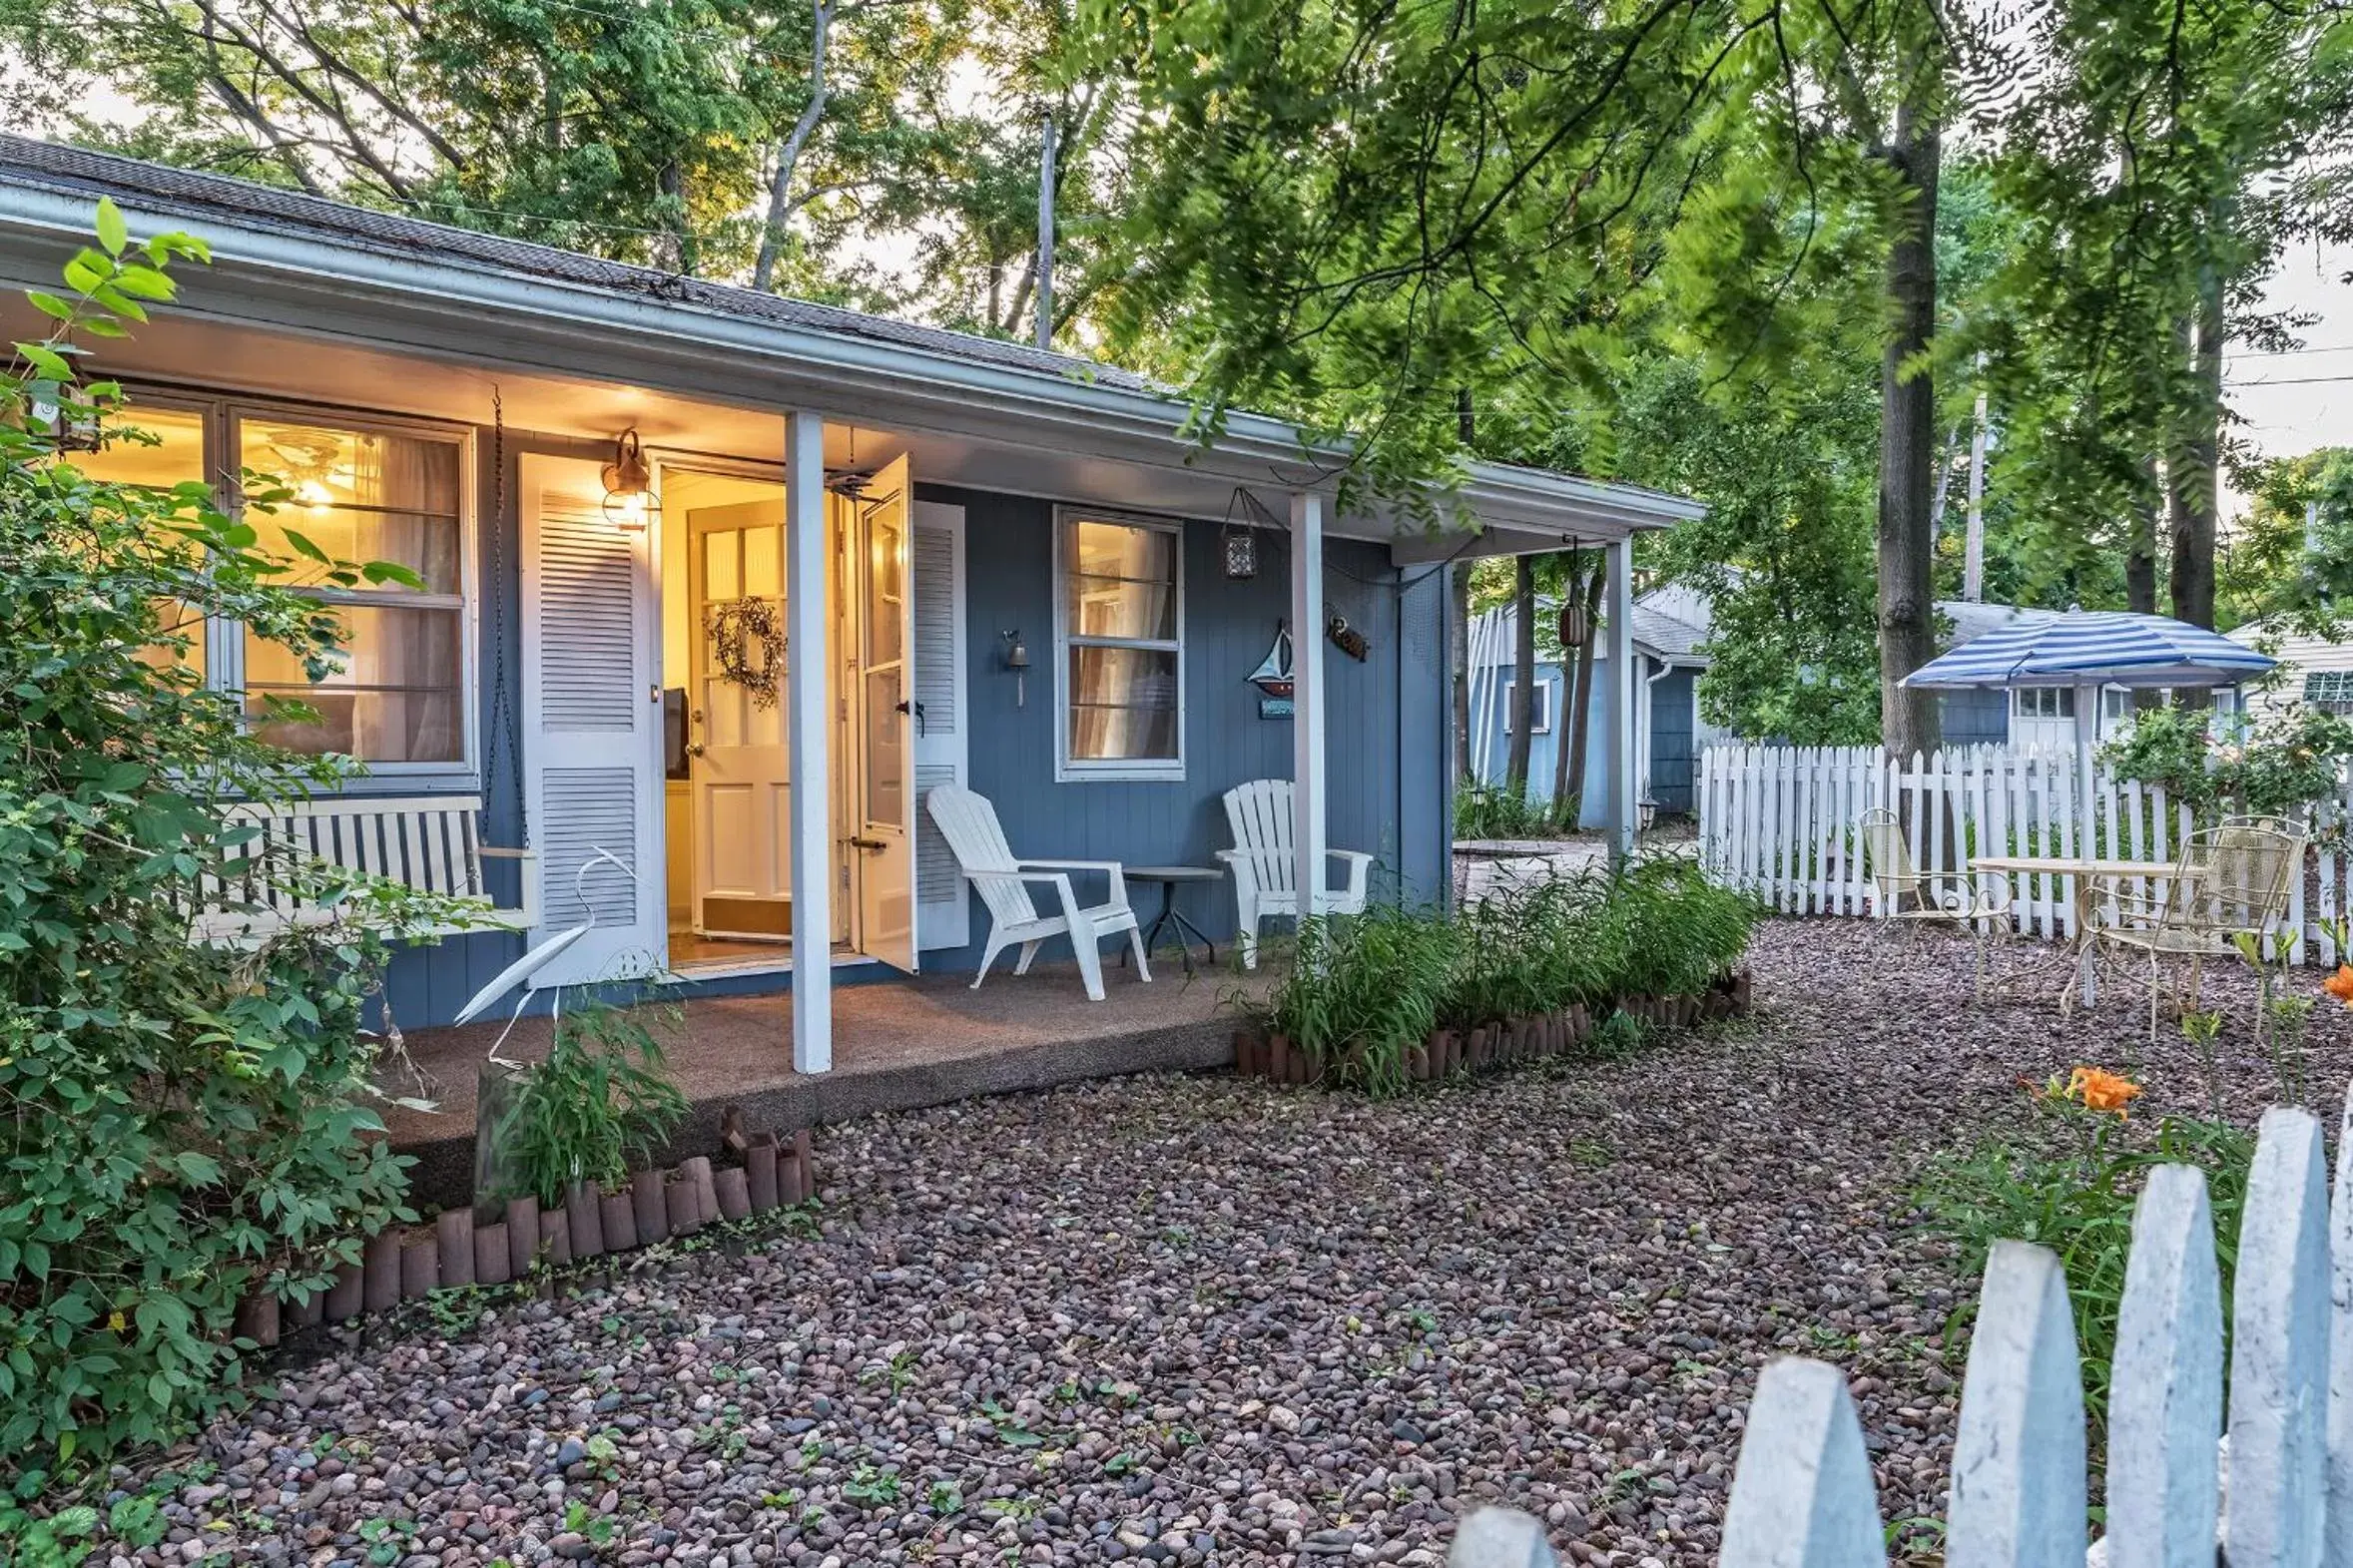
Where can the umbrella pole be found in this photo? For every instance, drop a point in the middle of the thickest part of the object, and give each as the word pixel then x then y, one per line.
pixel 2088 831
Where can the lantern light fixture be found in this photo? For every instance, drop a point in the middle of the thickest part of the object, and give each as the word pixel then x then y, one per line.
pixel 629 483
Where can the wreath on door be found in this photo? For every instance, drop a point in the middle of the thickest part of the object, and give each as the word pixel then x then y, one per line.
pixel 747 647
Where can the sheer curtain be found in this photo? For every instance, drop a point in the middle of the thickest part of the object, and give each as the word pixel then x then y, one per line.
pixel 417 652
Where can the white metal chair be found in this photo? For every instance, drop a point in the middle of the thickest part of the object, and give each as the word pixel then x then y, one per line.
pixel 968 823
pixel 2234 879
pixel 1901 891
pixel 1264 864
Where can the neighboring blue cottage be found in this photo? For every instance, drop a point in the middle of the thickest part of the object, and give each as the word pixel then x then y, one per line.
pixel 1673 625
pixel 719 587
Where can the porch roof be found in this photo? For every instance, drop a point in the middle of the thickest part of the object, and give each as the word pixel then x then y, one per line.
pixel 292 263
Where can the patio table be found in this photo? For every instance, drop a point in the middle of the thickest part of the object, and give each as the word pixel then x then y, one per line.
pixel 1170 877
pixel 2086 871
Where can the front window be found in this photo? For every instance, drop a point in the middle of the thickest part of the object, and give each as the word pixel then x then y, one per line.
pixel 366 495
pixel 2047 702
pixel 1119 617
pixel 169 450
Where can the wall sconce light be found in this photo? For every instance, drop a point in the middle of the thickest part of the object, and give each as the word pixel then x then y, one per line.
pixel 1017 661
pixel 629 483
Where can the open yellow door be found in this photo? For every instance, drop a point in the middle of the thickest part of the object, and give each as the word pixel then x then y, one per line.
pixel 887 797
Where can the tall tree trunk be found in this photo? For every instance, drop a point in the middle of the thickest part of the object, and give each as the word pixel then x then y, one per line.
pixel 2193 464
pixel 1459 650
pixel 1523 670
pixel 788 153
pixel 1907 439
pixel 2140 551
pixel 1569 789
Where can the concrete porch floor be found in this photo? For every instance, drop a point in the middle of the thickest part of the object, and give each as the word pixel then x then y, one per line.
pixel 898 1044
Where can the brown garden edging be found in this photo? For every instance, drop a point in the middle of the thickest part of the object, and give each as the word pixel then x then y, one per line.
pixel 401 1264
pixel 1503 1041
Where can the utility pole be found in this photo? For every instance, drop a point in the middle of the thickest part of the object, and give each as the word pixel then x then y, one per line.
pixel 1972 559
pixel 1046 240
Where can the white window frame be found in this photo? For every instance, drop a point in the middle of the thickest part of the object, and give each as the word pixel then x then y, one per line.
pixel 225 641
pixel 1539 716
pixel 1070 769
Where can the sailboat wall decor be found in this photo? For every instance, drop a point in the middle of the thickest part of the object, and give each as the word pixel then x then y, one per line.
pixel 1272 677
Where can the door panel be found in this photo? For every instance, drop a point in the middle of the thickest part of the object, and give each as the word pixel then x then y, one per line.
pixel 887 797
pixel 943 914
pixel 741 781
pixel 591 717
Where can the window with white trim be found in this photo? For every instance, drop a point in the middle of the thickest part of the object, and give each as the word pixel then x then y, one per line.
pixel 2044 702
pixel 1119 647
pixel 402 700
pixel 366 495
pixel 1539 707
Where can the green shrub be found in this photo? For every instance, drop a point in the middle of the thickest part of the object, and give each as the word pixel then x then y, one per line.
pixel 1494 811
pixel 598 1098
pixel 1359 991
pixel 2290 758
pixel 2070 1184
pixel 177 1122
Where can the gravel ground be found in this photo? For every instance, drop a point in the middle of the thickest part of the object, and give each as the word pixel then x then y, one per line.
pixel 1196 1320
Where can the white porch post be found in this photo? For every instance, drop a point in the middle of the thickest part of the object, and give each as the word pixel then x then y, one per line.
pixel 805 732
pixel 1622 761
pixel 1307 696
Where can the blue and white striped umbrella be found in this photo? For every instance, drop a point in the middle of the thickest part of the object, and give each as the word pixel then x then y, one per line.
pixel 2094 648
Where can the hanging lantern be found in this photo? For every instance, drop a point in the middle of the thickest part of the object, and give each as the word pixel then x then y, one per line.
pixel 1576 618
pixel 1237 539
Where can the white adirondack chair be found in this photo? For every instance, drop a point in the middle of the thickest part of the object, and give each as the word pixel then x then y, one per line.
pixel 1265 866
pixel 968 823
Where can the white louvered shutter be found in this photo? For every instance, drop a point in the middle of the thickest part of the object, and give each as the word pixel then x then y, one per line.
pixel 943 912
pixel 592 758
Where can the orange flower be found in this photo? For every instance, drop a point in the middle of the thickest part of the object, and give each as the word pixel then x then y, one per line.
pixel 2340 985
pixel 2103 1091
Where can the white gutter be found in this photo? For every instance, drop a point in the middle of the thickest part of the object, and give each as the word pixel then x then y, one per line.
pixel 267 275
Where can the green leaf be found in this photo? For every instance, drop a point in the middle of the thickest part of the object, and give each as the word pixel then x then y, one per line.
pixel 113 231
pixel 144 283
pixel 49 304
pixel 197 1167
pixel 382 572
pixel 303 546
pixel 47 361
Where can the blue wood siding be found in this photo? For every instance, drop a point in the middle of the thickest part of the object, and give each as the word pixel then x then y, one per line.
pixel 1672 762
pixel 1544 748
pixel 1386 734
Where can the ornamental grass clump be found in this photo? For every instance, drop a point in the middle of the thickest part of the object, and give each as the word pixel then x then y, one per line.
pixel 180 1123
pixel 1360 991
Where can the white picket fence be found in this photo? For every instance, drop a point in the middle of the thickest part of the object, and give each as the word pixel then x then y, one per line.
pixel 2279 1494
pixel 1780 822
